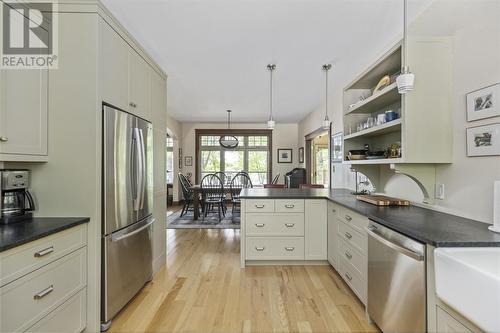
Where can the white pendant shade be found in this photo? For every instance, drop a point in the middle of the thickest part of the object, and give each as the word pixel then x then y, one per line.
pixel 271 124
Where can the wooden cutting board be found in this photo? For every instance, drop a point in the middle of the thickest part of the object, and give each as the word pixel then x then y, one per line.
pixel 381 200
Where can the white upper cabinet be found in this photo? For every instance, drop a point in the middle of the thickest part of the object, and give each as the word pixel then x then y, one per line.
pixel 23 114
pixel 125 75
pixel 139 85
pixel 114 54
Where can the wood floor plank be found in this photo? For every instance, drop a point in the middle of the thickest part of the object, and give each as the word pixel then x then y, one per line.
pixel 203 289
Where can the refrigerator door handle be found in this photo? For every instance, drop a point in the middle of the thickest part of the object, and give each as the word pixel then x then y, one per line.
pixel 136 231
pixel 138 167
pixel 142 171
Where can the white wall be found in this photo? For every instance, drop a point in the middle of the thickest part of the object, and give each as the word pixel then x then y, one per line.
pixel 468 180
pixel 284 136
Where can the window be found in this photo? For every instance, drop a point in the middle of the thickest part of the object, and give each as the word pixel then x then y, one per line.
pixel 170 160
pixel 252 154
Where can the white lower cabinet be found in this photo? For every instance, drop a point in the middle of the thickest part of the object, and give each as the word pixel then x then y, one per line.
pixel 447 324
pixel 69 317
pixel 41 298
pixel 284 229
pixel 333 244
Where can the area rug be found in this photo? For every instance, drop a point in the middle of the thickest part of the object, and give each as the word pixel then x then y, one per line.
pixel 175 221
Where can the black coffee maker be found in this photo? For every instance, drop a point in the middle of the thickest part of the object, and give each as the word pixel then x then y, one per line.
pixel 16 202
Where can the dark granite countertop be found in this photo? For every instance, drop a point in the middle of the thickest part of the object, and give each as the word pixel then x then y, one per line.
pixel 15 234
pixel 424 225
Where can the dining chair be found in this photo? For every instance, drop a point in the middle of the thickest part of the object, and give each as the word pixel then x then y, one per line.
pixel 240 181
pixel 187 193
pixel 275 179
pixel 212 189
pixel 274 186
pixel 312 186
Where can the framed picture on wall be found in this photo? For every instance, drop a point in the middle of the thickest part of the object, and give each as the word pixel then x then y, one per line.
pixel 483 140
pixel 337 149
pixel 483 103
pixel 285 155
pixel 301 155
pixel 188 161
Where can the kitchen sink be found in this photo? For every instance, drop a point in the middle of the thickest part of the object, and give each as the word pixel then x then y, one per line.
pixel 468 280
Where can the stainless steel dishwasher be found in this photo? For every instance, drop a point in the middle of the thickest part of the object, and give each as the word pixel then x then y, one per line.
pixel 396 281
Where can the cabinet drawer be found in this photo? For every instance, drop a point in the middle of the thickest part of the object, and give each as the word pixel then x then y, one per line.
pixel 334 210
pixel 354 238
pixel 70 317
pixel 274 224
pixel 275 248
pixel 28 299
pixel 259 206
pixel 354 280
pixel 353 257
pixel 289 206
pixel 354 220
pixel 24 259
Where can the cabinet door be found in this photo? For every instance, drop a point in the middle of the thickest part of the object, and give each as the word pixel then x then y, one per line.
pixel 447 324
pixel 23 111
pixel 114 53
pixel 139 86
pixel 316 230
pixel 332 235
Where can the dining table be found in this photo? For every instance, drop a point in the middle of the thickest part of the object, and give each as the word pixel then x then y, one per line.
pixel 198 193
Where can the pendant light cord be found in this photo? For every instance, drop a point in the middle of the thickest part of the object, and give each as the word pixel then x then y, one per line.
pixel 326 68
pixel 405 35
pixel 271 68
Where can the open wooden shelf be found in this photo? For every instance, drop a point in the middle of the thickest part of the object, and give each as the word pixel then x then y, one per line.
pixel 392 126
pixel 387 96
pixel 379 161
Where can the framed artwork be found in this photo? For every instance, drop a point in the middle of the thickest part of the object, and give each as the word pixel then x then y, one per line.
pixel 483 140
pixel 301 155
pixel 337 149
pixel 188 161
pixel 483 103
pixel 285 155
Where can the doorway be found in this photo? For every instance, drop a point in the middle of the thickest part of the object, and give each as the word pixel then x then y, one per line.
pixel 318 158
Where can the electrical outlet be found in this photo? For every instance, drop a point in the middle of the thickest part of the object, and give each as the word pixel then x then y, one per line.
pixel 439 191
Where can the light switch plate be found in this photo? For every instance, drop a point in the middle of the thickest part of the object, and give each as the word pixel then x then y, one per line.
pixel 439 191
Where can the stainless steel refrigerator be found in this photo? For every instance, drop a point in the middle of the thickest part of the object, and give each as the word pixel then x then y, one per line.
pixel 127 259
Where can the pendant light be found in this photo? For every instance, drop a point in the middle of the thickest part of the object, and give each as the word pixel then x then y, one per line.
pixel 405 81
pixel 326 121
pixel 228 141
pixel 270 122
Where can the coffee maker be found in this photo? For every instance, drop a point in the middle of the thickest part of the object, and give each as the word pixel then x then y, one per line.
pixel 16 202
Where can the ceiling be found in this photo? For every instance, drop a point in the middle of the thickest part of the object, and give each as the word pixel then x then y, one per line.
pixel 216 51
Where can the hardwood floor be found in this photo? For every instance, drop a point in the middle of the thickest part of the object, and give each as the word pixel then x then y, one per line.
pixel 203 289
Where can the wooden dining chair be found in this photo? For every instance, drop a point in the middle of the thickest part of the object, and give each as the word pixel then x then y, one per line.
pixel 312 186
pixel 274 186
pixel 240 181
pixel 275 179
pixel 213 194
pixel 187 193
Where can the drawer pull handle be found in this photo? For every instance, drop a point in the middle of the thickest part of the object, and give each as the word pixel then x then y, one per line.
pixel 132 104
pixel 44 252
pixel 44 292
pixel 348 218
pixel 334 210
pixel 4 139
pixel 348 255
pixel 259 225
pixel 259 206
pixel 289 225
pixel 260 249
pixel 289 249
pixel 289 206
pixel 348 235
pixel 349 277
